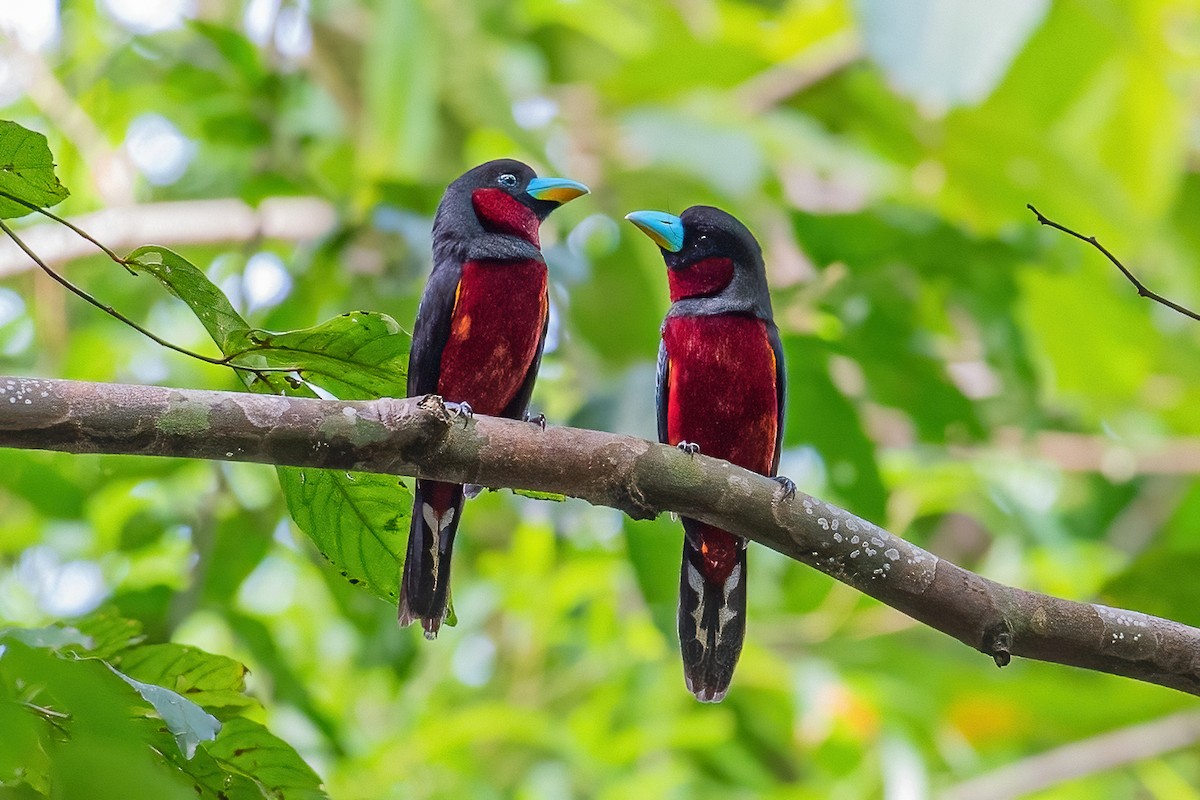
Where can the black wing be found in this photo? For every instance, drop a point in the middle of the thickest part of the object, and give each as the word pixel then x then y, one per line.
pixel 662 390
pixel 431 331
pixel 780 390
pixel 520 402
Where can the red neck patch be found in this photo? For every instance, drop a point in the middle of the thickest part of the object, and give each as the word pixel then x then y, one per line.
pixel 706 277
pixel 500 212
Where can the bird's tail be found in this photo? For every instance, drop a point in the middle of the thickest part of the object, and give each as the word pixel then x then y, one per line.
pixel 712 608
pixel 425 585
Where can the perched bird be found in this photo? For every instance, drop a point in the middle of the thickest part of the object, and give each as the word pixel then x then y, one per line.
pixel 720 392
pixel 477 341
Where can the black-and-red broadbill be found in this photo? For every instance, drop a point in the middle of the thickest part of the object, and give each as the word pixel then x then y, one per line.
pixel 721 387
pixel 477 341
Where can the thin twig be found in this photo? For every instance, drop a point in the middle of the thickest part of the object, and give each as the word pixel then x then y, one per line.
pixel 107 309
pixel 227 361
pixel 1093 756
pixel 68 224
pixel 1141 288
pixel 55 719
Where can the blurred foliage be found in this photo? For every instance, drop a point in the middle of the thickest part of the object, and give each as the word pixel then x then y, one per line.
pixel 973 383
pixel 74 728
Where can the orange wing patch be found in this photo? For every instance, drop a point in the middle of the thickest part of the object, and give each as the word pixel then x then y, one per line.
pixel 460 325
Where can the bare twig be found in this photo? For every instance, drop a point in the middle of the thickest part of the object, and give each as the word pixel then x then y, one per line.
pixel 45 212
pixel 783 81
pixel 1141 288
pixel 226 361
pixel 641 478
pixel 107 309
pixel 1088 757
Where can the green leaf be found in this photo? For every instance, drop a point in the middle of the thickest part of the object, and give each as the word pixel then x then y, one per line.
pixel 75 697
pixel 249 750
pixel 358 520
pixel 91 744
pixel 21 791
pixel 210 780
pixel 188 722
pixel 184 280
pixel 26 171
pixel 209 680
pixel 109 633
pixel 22 757
pixel 360 355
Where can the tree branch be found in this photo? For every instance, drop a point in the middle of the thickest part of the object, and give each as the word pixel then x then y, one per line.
pixel 641 478
pixel 1137 284
pixel 1099 754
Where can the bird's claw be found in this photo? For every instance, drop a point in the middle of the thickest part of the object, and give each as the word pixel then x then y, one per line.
pixel 691 448
pixel 463 410
pixel 539 420
pixel 789 486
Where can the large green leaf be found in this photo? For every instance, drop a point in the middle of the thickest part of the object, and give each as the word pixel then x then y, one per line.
pixel 356 356
pixel 86 700
pixel 248 749
pixel 108 633
pixel 98 635
pixel 246 763
pixel 208 680
pixel 357 520
pixel 359 355
pixel 184 280
pixel 26 171
pixel 84 742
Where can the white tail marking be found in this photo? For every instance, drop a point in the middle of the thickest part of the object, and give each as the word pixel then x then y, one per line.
pixel 726 613
pixel 697 583
pixel 436 526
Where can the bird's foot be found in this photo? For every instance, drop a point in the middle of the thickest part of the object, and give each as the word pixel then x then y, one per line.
pixel 691 448
pixel 539 419
pixel 789 486
pixel 463 410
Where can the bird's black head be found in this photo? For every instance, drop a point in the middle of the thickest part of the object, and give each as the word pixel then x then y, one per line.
pixel 714 263
pixel 504 197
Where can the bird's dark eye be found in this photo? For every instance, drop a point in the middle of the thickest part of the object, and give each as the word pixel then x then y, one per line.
pixel 507 179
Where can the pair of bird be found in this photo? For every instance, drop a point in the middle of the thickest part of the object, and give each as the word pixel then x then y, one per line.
pixel 478 341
